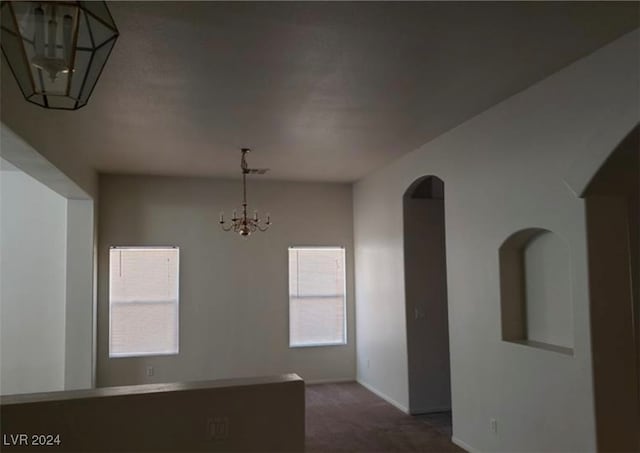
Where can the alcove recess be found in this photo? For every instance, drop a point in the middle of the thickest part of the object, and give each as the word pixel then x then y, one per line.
pixel 535 291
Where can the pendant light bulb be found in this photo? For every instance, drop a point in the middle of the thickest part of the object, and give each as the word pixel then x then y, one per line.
pixel 39 32
pixel 56 50
pixel 67 24
pixel 51 41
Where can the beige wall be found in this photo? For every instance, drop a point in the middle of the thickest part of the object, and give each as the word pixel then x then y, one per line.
pixel 260 414
pixel 233 291
pixel 518 165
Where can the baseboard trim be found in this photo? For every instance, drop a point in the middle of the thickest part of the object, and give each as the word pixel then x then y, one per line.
pixel 464 445
pixel 384 397
pixel 431 410
pixel 330 381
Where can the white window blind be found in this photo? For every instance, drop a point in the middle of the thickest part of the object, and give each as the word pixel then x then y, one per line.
pixel 143 301
pixel 316 296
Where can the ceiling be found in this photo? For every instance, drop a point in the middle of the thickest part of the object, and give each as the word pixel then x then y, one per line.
pixel 320 91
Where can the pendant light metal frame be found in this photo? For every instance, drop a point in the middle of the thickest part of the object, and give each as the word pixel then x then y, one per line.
pixel 77 93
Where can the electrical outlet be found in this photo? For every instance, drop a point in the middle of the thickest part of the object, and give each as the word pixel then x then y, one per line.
pixel 217 428
pixel 368 364
pixel 493 423
pixel 149 371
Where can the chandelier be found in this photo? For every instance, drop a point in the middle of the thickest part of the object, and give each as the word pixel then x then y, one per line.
pixel 57 49
pixel 245 225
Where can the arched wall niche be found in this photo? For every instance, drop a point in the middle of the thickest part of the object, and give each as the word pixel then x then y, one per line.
pixel 535 290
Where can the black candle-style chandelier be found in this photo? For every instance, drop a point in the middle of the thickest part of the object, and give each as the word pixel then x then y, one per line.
pixel 245 225
pixel 57 49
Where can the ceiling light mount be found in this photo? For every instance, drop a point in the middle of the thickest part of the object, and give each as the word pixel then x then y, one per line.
pixel 245 225
pixel 57 49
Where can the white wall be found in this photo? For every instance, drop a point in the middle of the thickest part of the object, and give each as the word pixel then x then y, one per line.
pixel 233 291
pixel 547 279
pixel 504 170
pixel 41 129
pixel 33 241
pixel 78 329
pixel 79 332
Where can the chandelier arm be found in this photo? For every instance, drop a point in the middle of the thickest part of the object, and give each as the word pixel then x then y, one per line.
pixel 226 228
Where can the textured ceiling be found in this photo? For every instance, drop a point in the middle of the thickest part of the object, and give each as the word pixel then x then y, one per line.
pixel 320 91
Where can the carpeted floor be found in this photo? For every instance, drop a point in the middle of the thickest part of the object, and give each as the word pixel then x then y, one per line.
pixel 348 417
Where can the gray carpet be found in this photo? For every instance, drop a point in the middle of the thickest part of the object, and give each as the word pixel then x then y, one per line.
pixel 348 417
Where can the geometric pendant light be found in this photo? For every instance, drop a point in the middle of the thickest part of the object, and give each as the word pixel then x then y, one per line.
pixel 57 49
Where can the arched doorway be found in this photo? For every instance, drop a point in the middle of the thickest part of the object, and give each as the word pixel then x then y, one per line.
pixel 613 243
pixel 426 297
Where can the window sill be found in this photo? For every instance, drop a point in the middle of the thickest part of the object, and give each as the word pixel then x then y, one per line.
pixel 544 346
pixel 141 354
pixel 316 345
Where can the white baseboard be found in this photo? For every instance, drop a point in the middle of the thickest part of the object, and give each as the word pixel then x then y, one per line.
pixel 384 397
pixel 464 445
pixel 330 381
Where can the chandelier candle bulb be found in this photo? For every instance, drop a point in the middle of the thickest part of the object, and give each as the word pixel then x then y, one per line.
pixel 255 215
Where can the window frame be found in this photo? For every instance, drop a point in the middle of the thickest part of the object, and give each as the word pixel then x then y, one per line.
pixel 344 304
pixel 145 354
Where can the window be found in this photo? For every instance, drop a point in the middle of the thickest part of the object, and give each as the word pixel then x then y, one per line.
pixel 317 315
pixel 143 301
